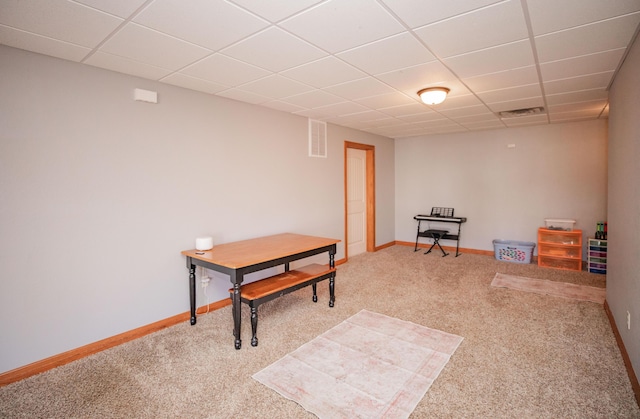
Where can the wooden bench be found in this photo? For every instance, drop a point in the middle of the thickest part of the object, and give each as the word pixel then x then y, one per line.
pixel 263 290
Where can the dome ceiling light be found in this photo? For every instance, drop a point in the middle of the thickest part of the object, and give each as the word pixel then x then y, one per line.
pixel 433 95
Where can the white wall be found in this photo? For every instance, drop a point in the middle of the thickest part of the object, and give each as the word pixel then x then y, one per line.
pixel 99 194
pixel 554 171
pixel 623 257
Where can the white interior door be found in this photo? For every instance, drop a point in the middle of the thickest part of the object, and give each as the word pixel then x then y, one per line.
pixel 356 201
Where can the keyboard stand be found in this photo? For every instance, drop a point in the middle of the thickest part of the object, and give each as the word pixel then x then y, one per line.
pixel 436 235
pixel 439 215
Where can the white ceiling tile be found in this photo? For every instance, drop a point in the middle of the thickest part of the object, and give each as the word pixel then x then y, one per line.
pixel 581 96
pixel 468 111
pixel 313 99
pixel 421 12
pixel 366 116
pixel 492 60
pixel 338 25
pixel 463 101
pixel 479 125
pixel 275 10
pixel 212 24
pixel 276 87
pixel 343 108
pixel 399 51
pixel 587 39
pixel 510 105
pixel 503 79
pixel 448 129
pixel 62 20
pixel 406 110
pixel 590 81
pixel 488 27
pixel 379 122
pixel 593 105
pixel 154 48
pixel 573 116
pixel 121 8
pixel 418 77
pixel 126 66
pixel 324 72
pixel 481 117
pixel 193 83
pixel 224 70
pixel 243 96
pixel 436 123
pixel 386 100
pixel 553 15
pixel 424 116
pixel 31 42
pixel 579 66
pixel 511 93
pixel 313 114
pixel 275 50
pixel 282 106
pixel 358 89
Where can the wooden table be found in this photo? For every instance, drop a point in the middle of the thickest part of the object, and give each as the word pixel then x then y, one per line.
pixel 243 257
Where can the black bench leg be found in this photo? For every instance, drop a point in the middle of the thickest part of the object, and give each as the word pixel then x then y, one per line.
pixel 436 242
pixel 315 293
pixel 443 252
pixel 332 290
pixel 254 326
pixel 429 251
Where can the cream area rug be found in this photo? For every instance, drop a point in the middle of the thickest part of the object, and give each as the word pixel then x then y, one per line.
pixel 556 289
pixel 368 366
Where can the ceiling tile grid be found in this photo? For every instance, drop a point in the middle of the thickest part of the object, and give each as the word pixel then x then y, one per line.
pixel 357 63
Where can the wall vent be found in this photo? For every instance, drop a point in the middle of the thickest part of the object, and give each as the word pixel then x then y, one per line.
pixel 521 112
pixel 317 138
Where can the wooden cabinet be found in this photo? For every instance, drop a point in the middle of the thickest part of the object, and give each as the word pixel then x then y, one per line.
pixel 560 249
pixel 597 256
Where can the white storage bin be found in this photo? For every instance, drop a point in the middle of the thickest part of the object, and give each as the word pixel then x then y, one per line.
pixel 559 224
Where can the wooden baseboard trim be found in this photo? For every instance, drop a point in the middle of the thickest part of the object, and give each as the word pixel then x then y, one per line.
pixel 384 246
pixel 635 385
pixel 92 348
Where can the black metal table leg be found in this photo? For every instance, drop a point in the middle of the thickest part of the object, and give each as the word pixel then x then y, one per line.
pixel 192 291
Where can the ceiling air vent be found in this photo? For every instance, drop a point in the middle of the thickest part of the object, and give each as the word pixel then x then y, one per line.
pixel 317 138
pixel 521 112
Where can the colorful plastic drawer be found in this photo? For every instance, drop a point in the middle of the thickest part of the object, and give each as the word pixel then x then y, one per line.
pixel 560 251
pixel 559 238
pixel 598 248
pixel 552 262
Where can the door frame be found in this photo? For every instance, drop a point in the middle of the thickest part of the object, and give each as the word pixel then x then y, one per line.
pixel 370 185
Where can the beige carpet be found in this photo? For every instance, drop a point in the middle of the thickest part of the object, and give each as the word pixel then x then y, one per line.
pixel 553 288
pixel 368 366
pixel 524 355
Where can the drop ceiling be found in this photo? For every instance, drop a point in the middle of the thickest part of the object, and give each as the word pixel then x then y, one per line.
pixel 355 63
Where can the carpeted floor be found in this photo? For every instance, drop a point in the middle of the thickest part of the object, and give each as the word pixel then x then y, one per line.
pixel 523 354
